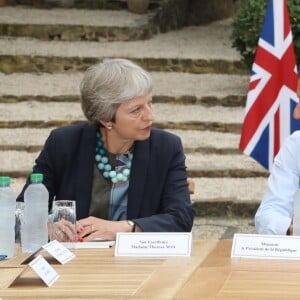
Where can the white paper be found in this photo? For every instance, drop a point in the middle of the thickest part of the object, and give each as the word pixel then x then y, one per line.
pixel 266 246
pixel 44 270
pixel 89 245
pixel 154 244
pixel 59 251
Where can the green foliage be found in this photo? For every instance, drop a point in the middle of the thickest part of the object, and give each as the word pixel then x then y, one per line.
pixel 247 25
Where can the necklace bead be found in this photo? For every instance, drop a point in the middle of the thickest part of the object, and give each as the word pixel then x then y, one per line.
pixel 120 174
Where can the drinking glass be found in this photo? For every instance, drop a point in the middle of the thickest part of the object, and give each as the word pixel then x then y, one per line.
pixel 63 221
pixel 19 218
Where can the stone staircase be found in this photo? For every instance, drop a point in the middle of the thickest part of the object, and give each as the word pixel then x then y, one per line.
pixel 200 89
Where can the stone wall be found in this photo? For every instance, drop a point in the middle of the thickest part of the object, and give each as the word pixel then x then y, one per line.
pixel 174 14
pixel 170 15
pixel 205 11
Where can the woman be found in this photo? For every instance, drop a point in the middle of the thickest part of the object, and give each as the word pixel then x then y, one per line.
pixel 124 175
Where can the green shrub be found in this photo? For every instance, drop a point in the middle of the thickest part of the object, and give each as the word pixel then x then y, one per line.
pixel 247 25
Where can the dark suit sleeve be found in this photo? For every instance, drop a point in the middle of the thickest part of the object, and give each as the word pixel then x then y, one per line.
pixel 67 161
pixel 175 213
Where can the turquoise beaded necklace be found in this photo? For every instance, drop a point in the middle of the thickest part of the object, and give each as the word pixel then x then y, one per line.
pixel 105 167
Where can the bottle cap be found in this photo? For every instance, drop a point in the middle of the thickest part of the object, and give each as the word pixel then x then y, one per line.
pixel 4 180
pixel 36 177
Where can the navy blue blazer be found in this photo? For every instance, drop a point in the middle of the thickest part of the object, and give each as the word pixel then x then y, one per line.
pixel 158 196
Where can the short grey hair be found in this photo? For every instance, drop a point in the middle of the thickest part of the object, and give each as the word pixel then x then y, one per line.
pixel 106 85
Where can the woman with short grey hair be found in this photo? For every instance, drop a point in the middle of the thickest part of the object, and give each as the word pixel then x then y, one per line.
pixel 124 175
pixel 106 85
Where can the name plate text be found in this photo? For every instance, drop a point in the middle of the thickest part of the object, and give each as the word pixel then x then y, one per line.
pixel 59 251
pixel 154 244
pixel 266 246
pixel 42 268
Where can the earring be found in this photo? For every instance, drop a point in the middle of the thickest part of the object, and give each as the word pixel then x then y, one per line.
pixel 109 127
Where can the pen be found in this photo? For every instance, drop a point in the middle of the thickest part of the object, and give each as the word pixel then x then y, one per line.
pixel 2 257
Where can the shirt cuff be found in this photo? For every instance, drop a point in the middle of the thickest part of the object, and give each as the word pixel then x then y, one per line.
pixel 279 225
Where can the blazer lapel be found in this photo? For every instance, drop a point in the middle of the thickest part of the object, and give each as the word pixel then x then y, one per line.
pixel 137 177
pixel 85 171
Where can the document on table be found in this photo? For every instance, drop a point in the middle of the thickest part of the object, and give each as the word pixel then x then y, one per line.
pixel 90 245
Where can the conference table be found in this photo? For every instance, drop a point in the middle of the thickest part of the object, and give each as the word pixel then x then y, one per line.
pixel 209 273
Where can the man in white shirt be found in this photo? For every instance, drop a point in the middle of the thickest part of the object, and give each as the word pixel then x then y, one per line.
pixel 274 215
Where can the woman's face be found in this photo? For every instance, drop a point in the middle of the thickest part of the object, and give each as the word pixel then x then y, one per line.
pixel 134 119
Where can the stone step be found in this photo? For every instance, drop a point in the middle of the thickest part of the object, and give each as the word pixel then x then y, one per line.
pixel 87 4
pixel 23 139
pixel 32 140
pixel 181 116
pixel 74 24
pixel 205 89
pixel 228 196
pixel 222 227
pixel 223 165
pixel 194 49
pixel 19 163
pixel 215 196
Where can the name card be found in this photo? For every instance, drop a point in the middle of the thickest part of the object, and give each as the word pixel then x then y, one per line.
pixel 61 253
pixel 44 270
pixel 266 246
pixel 153 244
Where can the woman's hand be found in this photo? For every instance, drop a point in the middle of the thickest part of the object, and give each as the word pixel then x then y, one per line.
pixel 62 231
pixel 90 228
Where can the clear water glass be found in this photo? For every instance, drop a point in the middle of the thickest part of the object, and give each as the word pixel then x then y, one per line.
pixel 63 221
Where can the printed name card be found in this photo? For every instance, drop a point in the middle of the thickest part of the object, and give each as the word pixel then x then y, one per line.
pixel 266 246
pixel 44 270
pixel 153 244
pixel 61 253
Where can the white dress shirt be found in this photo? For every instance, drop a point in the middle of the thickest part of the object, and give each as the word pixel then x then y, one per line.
pixel 275 212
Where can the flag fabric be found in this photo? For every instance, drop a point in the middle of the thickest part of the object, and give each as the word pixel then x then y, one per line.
pixel 272 94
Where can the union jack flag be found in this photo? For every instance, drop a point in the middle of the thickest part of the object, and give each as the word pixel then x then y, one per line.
pixel 272 90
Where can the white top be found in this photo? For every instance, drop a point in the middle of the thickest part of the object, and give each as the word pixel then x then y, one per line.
pixel 276 209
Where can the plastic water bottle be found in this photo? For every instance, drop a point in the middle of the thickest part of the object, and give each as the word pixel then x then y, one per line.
pixel 34 229
pixel 7 217
pixel 296 217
